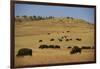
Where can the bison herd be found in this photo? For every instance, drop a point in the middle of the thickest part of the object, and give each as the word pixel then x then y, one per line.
pixel 62 38
pixel 74 49
pixel 49 46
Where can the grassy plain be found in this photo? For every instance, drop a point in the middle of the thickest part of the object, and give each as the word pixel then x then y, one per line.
pixel 28 34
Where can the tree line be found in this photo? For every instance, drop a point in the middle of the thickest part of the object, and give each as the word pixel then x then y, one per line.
pixel 31 18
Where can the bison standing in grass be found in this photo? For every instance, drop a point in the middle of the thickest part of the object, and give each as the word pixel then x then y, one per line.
pixel 69 47
pixel 75 49
pixel 52 39
pixel 60 40
pixel 24 52
pixel 51 46
pixel 78 39
pixel 57 46
pixel 43 46
pixel 86 47
pixel 40 40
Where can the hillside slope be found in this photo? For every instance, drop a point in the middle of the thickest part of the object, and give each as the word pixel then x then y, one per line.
pixel 28 34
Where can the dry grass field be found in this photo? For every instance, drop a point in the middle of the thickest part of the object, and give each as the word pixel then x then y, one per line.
pixel 28 34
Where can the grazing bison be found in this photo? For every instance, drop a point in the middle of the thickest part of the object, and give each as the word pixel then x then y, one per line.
pixel 51 46
pixel 52 39
pixel 62 32
pixel 69 47
pixel 43 46
pixel 48 33
pixel 67 39
pixel 40 40
pixel 60 40
pixel 67 31
pixel 78 39
pixel 62 37
pixel 24 52
pixel 75 49
pixel 65 36
pixel 57 46
pixel 84 47
pixel 70 39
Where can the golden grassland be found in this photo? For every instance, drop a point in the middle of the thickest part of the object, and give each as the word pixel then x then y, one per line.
pixel 28 34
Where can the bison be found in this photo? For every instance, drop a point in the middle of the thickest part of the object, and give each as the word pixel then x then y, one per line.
pixel 75 49
pixel 78 39
pixel 67 39
pixel 40 40
pixel 51 46
pixel 84 47
pixel 24 52
pixel 52 39
pixel 69 47
pixel 70 39
pixel 48 33
pixel 57 46
pixel 60 40
pixel 43 46
pixel 67 31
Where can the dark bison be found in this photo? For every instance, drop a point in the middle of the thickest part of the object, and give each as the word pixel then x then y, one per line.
pixel 52 39
pixel 62 37
pixel 70 39
pixel 75 49
pixel 67 39
pixel 78 39
pixel 51 46
pixel 62 32
pixel 24 52
pixel 67 31
pixel 69 47
pixel 60 40
pixel 48 33
pixel 40 40
pixel 86 47
pixel 57 46
pixel 65 36
pixel 43 46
